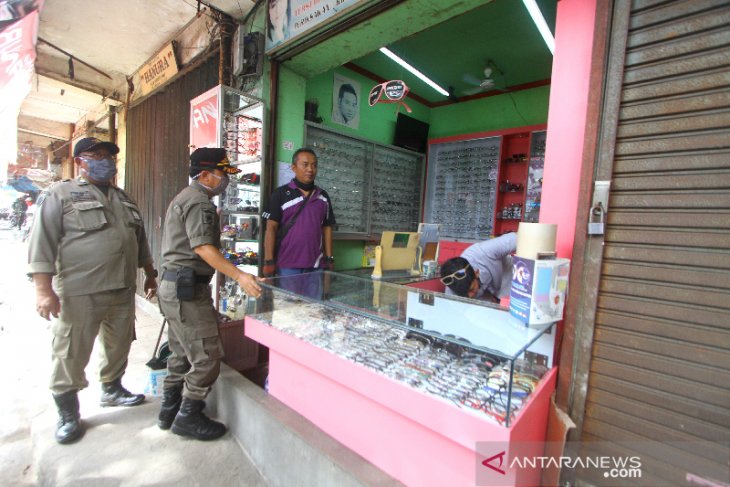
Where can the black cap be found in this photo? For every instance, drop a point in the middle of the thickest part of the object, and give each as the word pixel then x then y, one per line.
pixel 210 158
pixel 92 143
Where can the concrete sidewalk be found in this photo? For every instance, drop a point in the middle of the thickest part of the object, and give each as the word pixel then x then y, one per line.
pixel 122 446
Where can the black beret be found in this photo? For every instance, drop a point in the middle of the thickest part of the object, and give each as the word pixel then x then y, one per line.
pixel 211 158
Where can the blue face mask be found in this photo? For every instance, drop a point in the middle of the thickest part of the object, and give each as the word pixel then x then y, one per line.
pixel 102 170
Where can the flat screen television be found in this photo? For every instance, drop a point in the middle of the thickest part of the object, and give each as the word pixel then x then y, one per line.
pixel 410 133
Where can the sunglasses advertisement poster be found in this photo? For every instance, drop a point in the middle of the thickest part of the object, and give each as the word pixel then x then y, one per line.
pixel 393 91
pixel 346 102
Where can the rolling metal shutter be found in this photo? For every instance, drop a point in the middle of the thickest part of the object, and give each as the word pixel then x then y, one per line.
pixel 660 366
pixel 158 134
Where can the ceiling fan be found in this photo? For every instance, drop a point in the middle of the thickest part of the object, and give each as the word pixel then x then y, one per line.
pixel 493 79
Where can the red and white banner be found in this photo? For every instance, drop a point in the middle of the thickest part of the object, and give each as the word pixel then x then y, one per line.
pixel 17 58
pixel 204 120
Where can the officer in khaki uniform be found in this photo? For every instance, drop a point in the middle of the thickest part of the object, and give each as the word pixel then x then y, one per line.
pixel 190 257
pixel 86 245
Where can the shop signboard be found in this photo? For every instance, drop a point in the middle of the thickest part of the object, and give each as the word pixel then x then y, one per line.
pixel 289 19
pixel 156 72
pixel 204 119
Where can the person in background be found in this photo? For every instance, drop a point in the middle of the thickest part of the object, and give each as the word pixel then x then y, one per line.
pixel 484 270
pixel 346 105
pixel 299 221
pixel 190 256
pixel 20 208
pixel 88 240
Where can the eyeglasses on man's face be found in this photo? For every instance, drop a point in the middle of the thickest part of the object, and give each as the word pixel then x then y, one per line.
pixel 455 276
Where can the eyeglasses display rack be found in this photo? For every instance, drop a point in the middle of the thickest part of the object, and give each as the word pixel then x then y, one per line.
pixel 396 195
pixel 462 185
pixel 224 117
pixel 483 185
pixel 374 187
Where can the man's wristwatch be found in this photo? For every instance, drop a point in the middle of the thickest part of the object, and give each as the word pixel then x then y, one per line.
pixel 329 259
pixel 153 274
pixel 269 262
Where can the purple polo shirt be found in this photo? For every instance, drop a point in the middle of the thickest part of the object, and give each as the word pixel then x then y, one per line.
pixel 302 245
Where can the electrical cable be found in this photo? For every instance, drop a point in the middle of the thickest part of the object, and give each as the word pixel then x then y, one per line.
pixel 517 109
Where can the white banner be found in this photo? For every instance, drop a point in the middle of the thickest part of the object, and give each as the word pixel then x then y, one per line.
pixel 289 19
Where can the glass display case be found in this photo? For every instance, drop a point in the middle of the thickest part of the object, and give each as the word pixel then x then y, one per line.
pixel 468 353
pixel 224 117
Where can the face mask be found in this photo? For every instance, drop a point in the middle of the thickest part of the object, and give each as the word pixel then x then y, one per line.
pixel 100 170
pixel 220 187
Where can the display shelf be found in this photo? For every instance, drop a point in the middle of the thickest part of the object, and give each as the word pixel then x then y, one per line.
pixel 239 212
pixel 509 208
pixel 373 187
pixel 246 161
pixel 534 177
pixel 239 128
pixel 477 184
pixel 236 239
pixel 461 186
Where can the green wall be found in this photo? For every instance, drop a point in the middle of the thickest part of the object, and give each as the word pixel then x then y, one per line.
pixel 377 123
pixel 509 110
pixel 290 114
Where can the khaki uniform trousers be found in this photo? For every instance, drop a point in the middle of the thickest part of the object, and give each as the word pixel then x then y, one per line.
pixel 195 344
pixel 108 314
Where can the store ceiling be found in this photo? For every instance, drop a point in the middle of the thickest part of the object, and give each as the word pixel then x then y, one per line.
pixel 115 38
pixel 120 37
pixel 501 31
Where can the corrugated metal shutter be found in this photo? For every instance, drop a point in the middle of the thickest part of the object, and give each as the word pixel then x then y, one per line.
pixel 660 367
pixel 158 134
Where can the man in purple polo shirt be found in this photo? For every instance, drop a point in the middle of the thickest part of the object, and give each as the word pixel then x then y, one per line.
pixel 299 221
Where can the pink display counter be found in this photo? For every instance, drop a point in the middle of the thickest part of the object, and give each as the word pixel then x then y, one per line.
pixel 420 439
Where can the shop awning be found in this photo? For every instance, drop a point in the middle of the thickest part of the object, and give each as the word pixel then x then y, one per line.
pixel 24 185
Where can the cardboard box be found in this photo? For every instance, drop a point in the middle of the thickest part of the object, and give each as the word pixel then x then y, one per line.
pixel 538 291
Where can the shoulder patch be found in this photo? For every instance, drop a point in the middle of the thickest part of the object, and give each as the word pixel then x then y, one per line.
pixel 208 217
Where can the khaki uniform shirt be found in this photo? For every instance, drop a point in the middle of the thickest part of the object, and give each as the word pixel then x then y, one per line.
pixel 191 221
pixel 89 241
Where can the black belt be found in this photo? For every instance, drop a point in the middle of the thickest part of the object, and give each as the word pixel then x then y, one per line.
pixel 171 275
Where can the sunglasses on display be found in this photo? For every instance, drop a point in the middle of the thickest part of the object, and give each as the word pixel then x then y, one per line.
pixel 456 276
pixel 394 92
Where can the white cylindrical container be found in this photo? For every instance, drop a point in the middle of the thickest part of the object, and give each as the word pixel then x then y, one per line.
pixel 534 238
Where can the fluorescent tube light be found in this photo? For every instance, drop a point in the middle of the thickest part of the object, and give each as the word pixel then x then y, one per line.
pixel 413 70
pixel 540 23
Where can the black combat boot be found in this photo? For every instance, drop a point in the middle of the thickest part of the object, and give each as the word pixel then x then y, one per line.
pixel 171 400
pixel 113 394
pixel 69 422
pixel 190 421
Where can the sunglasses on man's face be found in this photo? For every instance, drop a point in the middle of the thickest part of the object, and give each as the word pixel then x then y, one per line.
pixel 456 276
